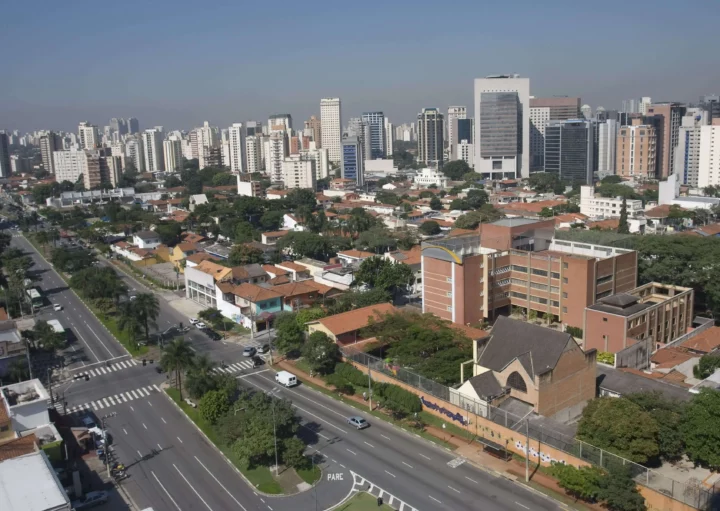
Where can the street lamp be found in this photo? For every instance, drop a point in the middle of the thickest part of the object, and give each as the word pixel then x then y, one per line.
pixel 275 435
pixel 107 447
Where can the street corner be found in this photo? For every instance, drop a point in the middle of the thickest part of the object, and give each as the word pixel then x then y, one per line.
pixel 335 483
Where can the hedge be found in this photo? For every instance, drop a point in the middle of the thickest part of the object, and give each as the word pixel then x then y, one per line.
pixel 351 374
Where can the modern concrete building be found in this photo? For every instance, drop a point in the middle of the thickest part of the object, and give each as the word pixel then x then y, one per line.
pixel 352 163
pixel 430 134
pixel 172 154
pixel 253 154
pixel 687 154
pixel 709 161
pixel 606 150
pixel 314 125
pixel 153 149
pixel 515 262
pixel 376 123
pixel 75 163
pixel 465 152
pixel 276 154
pixel 606 207
pixel 454 113
pixel 280 122
pixel 299 173
pixel 569 148
pixel 502 126
pixel 236 146
pixel 389 136
pixel 49 143
pixel 711 104
pixel 135 153
pixel 330 127
pixel 666 117
pixel 5 169
pixel 543 110
pixel 636 150
pixel 88 135
pixel 133 125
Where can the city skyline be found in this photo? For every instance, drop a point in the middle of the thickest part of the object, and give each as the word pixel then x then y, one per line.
pixel 166 84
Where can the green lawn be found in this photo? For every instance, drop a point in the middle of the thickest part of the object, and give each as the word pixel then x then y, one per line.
pixel 309 475
pixel 260 477
pixel 363 501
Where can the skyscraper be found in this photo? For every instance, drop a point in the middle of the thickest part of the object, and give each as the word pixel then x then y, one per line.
pixel 711 104
pixel 376 122
pixel 133 125
pixel 88 135
pixel 543 110
pixel 277 151
pixel 299 172
pixel 389 138
pixel 569 148
pixel 606 145
pixel 636 150
pixel 4 155
pixel 666 117
pixel 253 153
pixel 135 154
pixel 313 124
pixel 330 126
pixel 49 143
pixel 280 122
pixel 253 128
pixel 709 174
pixel 430 136
pixel 172 153
pixel 153 144
pixel 454 112
pixel 236 142
pixel 352 163
pixel 502 121
pixel 686 164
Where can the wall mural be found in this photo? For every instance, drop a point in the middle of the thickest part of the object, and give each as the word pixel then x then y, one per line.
pixel 434 406
pixel 545 458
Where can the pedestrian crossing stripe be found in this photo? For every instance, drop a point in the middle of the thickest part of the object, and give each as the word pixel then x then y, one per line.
pixel 100 370
pixel 108 401
pixel 233 368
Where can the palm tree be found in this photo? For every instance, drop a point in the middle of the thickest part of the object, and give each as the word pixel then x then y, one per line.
pixel 128 321
pixel 177 356
pixel 42 238
pixel 200 377
pixel 18 370
pixel 147 307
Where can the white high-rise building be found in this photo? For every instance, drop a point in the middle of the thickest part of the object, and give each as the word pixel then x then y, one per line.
pixel 207 138
pixel 454 112
pixel 607 141
pixel 330 126
pixel 253 154
pixel 709 166
pixel 298 172
pixel 276 153
pixel 172 153
pixel 645 102
pixel 153 149
pixel 70 165
pixel 236 144
pixel 539 117
pixel 502 126
pixel 389 138
pixel 320 157
pixel 135 153
pixel 466 152
pixel 586 111
pixel 687 153
pixel 88 135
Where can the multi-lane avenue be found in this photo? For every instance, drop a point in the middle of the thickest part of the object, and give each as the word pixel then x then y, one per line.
pixel 172 466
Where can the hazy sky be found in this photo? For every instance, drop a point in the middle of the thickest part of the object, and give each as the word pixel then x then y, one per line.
pixel 178 63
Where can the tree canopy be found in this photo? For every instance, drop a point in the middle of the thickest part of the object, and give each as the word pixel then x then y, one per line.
pixel 700 428
pixel 384 274
pixel 470 220
pixel 456 169
pixel 429 228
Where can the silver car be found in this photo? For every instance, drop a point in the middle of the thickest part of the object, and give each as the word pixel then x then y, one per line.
pixel 358 422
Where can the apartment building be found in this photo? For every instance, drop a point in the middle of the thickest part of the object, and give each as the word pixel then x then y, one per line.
pixel 515 262
pixel 637 150
pixel 543 110
pixel 298 173
pixel 606 207
pixel 709 160
pixel 666 117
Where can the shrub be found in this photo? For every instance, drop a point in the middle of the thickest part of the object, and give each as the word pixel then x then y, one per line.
pixel 340 384
pixel 351 374
pixel 397 399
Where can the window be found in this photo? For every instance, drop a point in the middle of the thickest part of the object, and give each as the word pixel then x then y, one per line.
pixel 515 294
pixel 449 294
pixel 555 275
pixel 564 310
pixel 542 273
pixel 515 381
pixel 497 165
pixel 604 320
pixel 515 267
pixel 565 280
pixel 449 308
pixel 565 266
pixel 603 280
pixel 564 294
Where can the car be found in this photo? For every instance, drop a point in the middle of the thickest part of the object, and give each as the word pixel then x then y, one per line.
pixel 249 351
pixel 212 334
pixel 265 348
pixel 200 325
pixel 358 422
pixel 88 422
pixel 159 369
pixel 257 361
pixel 91 499
pixel 194 321
pixel 57 307
pixel 133 297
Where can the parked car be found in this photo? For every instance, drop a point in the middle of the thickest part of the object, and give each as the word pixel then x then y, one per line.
pixel 286 378
pixel 57 307
pixel 358 422
pixel 200 325
pixel 249 351
pixel 91 499
pixel 212 334
pixel 257 361
pixel 265 348
pixel 194 321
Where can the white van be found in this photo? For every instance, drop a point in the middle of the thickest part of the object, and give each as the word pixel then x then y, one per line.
pixel 286 379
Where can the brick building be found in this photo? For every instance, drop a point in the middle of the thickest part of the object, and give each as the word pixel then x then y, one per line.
pixel 516 262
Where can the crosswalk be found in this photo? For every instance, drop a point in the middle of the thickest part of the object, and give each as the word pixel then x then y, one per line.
pixel 105 402
pixel 100 370
pixel 234 368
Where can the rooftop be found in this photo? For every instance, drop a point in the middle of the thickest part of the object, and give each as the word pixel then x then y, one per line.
pixel 28 391
pixel 356 319
pixel 356 254
pixel 255 293
pixel 29 483
pixel 215 270
pixel 706 341
pixel 624 382
pixel 514 222
pixel 146 235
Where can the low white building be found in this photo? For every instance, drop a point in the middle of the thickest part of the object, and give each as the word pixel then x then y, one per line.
pixel 606 207
pixel 26 404
pixel 429 177
pixel 29 483
pixel 146 239
pixel 669 194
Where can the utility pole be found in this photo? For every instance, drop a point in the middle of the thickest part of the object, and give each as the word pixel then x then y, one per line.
pixel 49 384
pixel 277 470
pixel 104 436
pixel 527 450
pixel 370 386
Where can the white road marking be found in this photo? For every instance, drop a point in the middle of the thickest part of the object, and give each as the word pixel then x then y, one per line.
pixel 179 439
pixel 149 402
pixel 139 454
pixel 386 437
pixel 144 426
pixel 221 485
pixel 135 396
pixel 371 445
pixel 163 420
pixel 133 409
pixel 165 490
pixel 98 338
pixel 156 388
pixel 407 465
pixel 105 402
pixel 125 431
pixel 353 453
pixel 343 466
pixel 424 456
pixel 521 505
pixel 390 473
pixel 453 489
pixel 159 446
pixel 191 487
pixel 88 346
pixel 436 500
pixel 473 480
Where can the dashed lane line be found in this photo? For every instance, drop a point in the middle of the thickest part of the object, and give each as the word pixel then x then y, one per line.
pixel 165 490
pixel 221 485
pixel 192 488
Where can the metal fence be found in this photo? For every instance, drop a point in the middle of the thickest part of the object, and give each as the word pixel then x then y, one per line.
pixel 692 493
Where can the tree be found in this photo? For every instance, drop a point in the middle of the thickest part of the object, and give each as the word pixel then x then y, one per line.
pixel 177 357
pixel 303 316
pixel 619 491
pixel 460 204
pixel 242 254
pixel 289 336
pixel 358 299
pixel 429 228
pixel 700 428
pixel 620 426
pixel 471 219
pixel 18 370
pixel 293 453
pixel 456 169
pixel 45 335
pixel 169 233
pixel 147 308
pixel 244 232
pixel 321 353
pixel 383 273
pixel 376 239
pixel 213 405
pixel 623 226
pixel 477 198
pixel 707 366
pixel 272 220
pixel 668 416
pixel 129 321
pixel 301 197
pixel 307 244
pixel 582 483
pixel 546 213
pixel 436 204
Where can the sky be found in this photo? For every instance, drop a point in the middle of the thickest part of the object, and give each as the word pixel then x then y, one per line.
pixel 179 63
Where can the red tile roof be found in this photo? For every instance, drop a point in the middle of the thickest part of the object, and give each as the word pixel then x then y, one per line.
pixel 18 447
pixel 199 257
pixel 289 265
pixel 357 254
pixel 355 320
pixel 275 234
pixel 704 342
pixel 255 293
pixel 269 268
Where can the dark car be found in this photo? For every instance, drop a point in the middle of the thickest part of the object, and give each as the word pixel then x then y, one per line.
pixel 265 348
pixel 212 334
pixel 257 361
pixel 249 351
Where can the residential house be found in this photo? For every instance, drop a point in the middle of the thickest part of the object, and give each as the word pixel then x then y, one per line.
pixel 412 258
pixel 299 295
pixel 704 342
pixel 274 271
pixel 191 237
pixel 353 257
pixel 346 328
pixel 197 200
pixel 146 239
pixel 540 368
pixel 272 237
pixel 198 257
pixel 275 194
pixel 291 223
pixel 142 256
pixel 297 271
pixel 251 273
pixel 180 253
pixel 258 305
pixel 31 484
pixel 200 282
